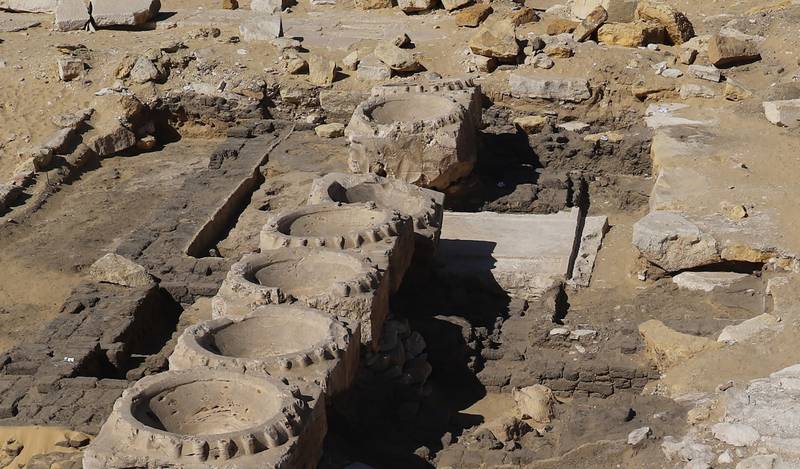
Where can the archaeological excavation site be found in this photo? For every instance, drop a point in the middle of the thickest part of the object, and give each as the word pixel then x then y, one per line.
pixel 400 234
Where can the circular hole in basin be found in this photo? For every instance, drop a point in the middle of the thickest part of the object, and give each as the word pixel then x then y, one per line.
pixel 411 108
pixel 304 277
pixel 208 407
pixel 384 197
pixel 333 222
pixel 270 335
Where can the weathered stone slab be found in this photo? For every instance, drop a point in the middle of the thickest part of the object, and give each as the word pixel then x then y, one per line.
pixel 748 329
pixel 784 113
pixel 619 11
pixel 707 281
pixel 71 15
pixel 526 86
pixel 670 241
pixel 523 254
pixel 594 228
pixel 262 27
pixel 32 6
pixel 107 13
pixel 13 22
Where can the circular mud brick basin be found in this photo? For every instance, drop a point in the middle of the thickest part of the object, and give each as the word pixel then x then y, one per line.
pixel 280 275
pixel 281 340
pixel 203 418
pixel 424 206
pixel 333 226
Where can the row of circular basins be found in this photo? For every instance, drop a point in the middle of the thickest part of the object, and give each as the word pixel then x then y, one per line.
pixel 250 387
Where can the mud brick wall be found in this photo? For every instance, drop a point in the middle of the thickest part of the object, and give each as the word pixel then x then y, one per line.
pixel 577 379
pixel 174 244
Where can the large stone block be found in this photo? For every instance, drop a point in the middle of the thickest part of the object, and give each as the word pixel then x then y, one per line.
pixel 670 241
pixel 560 89
pixel 261 27
pixel 32 6
pixel 285 341
pixel 128 13
pixel 422 133
pixel 71 15
pixel 679 28
pixel 212 418
pixel 728 51
pixel 631 34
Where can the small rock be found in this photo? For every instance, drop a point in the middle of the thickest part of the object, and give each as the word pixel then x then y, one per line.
pixel 496 40
pixel 333 130
pixel 784 113
pixel 69 68
pixel 451 5
pixel 522 16
pixel 687 56
pixel 397 59
pixel 373 4
pixel 574 126
pixel 725 457
pixel 321 71
pixel 679 28
pixel 636 437
pixel 705 73
pixel 542 61
pixel 762 461
pixel 296 66
pixel 267 6
pixel 402 41
pixel 672 73
pixel 532 125
pixel 414 6
pixel 483 64
pixel 144 71
pixel 372 69
pixel 146 143
pixel 350 62
pixel 261 27
pixel 535 402
pixel 561 26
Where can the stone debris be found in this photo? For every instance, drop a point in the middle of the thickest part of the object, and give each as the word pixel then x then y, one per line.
pixel 370 68
pixel 535 403
pixel 473 16
pixel 262 27
pixel 749 329
pixel 667 347
pixel 321 71
pixel 71 15
pixel 107 13
pixel 267 6
pixel 707 281
pixel 636 437
pixel 531 124
pixel 397 59
pixel 679 28
pixel 728 51
pixel 673 243
pixel 705 73
pixel 32 6
pixel 783 113
pixel 735 434
pixel 526 86
pixel 70 68
pixel 330 130
pixel 118 270
pixel 415 6
pixel 590 24
pixel 631 34
pixel 497 40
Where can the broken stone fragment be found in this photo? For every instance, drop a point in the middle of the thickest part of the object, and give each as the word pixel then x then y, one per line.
pixel 144 71
pixel 472 17
pixel 784 113
pixel 636 437
pixel 679 28
pixel 522 16
pixel 350 62
pixel 321 71
pixel 372 69
pixel 451 5
pixel 631 34
pixel 572 90
pixel 749 329
pixel 483 64
pixel 414 6
pixel 729 51
pixel 540 61
pixel 735 92
pixel 619 11
pixel 590 24
pixel 107 13
pixel 373 4
pixel 69 68
pixel 31 6
pixel 399 60
pixel 333 130
pixel 112 141
pixel 261 27
pixel 706 281
pixel 735 434
pixel 71 15
pixel 705 73
pixel 113 268
pixel 535 403
pixel 561 26
pixel 667 347
pixel 670 241
pixel 496 39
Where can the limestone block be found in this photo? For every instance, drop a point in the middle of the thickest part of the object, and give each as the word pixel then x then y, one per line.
pixel 535 403
pixel 397 59
pixel 526 86
pixel 210 418
pixel 451 5
pixel 71 15
pixel 413 6
pixel 707 281
pixel 496 39
pixel 32 6
pixel 267 6
pixel 619 11
pixel 667 347
pixel 113 268
pixel 749 329
pixel 128 13
pixel 670 241
pixel 705 73
pixel 590 24
pixel 473 16
pixel 728 51
pixel 373 4
pixel 784 113
pixel 678 26
pixel 285 341
pixel 321 71
pixel 372 69
pixel 262 27
pixel 631 34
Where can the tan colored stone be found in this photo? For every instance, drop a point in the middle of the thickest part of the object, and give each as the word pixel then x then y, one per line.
pixel 373 4
pixel 667 347
pixel 473 16
pixel 399 60
pixel 531 124
pixel 561 26
pixel 230 4
pixel 736 92
pixel 321 71
pixel 678 26
pixel 631 34
pixel 535 403
pixel 728 51
pixel 497 40
pixel 590 24
pixel 522 16
pixel 118 270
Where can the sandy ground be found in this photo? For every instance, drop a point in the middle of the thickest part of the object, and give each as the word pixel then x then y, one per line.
pixel 37 440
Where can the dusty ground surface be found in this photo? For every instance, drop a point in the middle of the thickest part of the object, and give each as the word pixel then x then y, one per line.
pixel 46 251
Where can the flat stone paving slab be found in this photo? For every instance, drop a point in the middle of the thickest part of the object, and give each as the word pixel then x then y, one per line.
pixel 524 254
